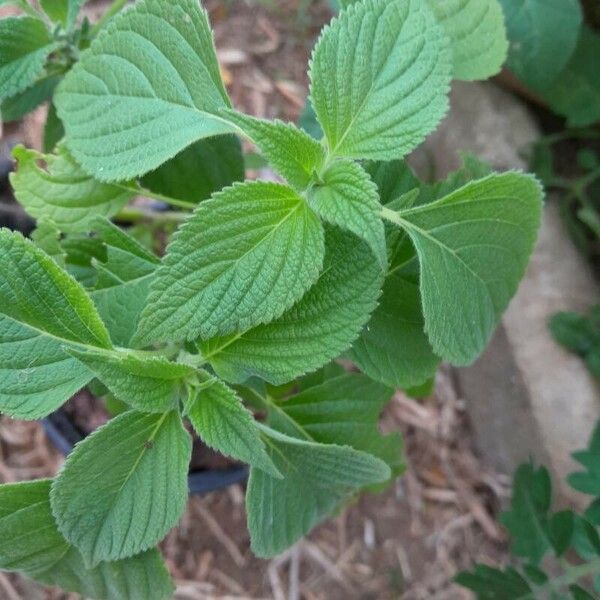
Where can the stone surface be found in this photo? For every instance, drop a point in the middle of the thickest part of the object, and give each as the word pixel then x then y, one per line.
pixel 527 396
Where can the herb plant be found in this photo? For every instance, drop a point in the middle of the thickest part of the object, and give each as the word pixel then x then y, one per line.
pixel 559 552
pixel 261 288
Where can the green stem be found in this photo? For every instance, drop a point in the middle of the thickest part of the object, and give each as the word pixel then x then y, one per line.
pixel 392 216
pixel 116 6
pixel 136 215
pixel 142 191
pixel 22 4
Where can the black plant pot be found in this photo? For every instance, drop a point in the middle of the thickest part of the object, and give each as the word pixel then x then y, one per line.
pixel 64 434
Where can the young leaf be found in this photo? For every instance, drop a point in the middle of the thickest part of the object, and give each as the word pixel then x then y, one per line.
pixel 62 11
pixel 42 310
pixel 543 35
pixel 314 331
pixel 124 486
pixel 243 258
pixel 220 419
pixel 317 478
pixel 473 247
pixel 147 87
pixel 477 35
pixel 31 544
pixel 148 383
pixel 203 168
pixel 347 197
pixel 25 43
pixel 393 347
pixel 379 78
pixel 341 410
pixel 62 191
pixel 493 584
pixel 527 520
pixel 123 280
pixel 292 152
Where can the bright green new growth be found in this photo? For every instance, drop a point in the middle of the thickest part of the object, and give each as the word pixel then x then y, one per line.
pixel 263 284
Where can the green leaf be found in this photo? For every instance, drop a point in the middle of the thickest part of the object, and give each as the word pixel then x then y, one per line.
pixel 393 179
pixel 17 106
pixel 31 544
pixel 62 191
pixel 317 479
pixel 579 593
pixel 393 347
pixel 347 197
pixel 585 541
pixel 560 531
pixel 62 11
pixel 592 514
pixel 53 130
pixel 220 419
pixel 527 519
pixel 314 331
pixel 575 93
pixel 588 481
pixel 148 86
pixel 473 248
pixel 124 486
pixel 46 236
pixel 42 310
pixel 308 121
pixel 379 78
pixel 124 275
pixel 203 168
pixel 288 149
pixel 343 410
pixel 543 35
pixel 243 258
pixel 477 35
pixel 25 43
pixel 148 383
pixel 493 584
pixel 574 331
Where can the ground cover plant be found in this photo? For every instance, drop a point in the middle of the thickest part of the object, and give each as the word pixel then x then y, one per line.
pixel 263 286
pixel 558 552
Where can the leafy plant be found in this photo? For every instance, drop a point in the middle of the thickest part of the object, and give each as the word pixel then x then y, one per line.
pixel 559 552
pixel 261 288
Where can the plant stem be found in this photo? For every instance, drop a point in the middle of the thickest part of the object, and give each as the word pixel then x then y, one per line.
pixel 392 216
pixel 116 6
pixel 572 575
pixel 135 215
pixel 141 191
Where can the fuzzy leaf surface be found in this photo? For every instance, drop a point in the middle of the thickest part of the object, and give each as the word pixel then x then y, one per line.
pixel 313 332
pixel 317 479
pixel 379 78
pixel 243 258
pixel 147 88
pixel 203 168
pixel 348 198
pixel 124 486
pixel 31 544
pixel 543 35
pixel 25 43
pixel 288 149
pixel 477 35
pixel 148 383
pixel 17 106
pixel 223 423
pixel 473 247
pixel 62 191
pixel 42 310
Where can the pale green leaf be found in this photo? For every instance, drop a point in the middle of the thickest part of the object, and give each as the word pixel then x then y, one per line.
pixel 317 479
pixel 223 423
pixel 47 237
pixel 25 43
pixel 62 11
pixel 243 258
pixel 341 410
pixel 17 106
pixel 477 35
pixel 543 35
pixel 473 247
pixel 393 347
pixel 62 191
pixel 313 332
pixel 31 544
pixel 124 486
pixel 288 149
pixel 205 167
pixel 42 310
pixel 347 197
pixel 148 86
pixel 148 383
pixel 379 78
